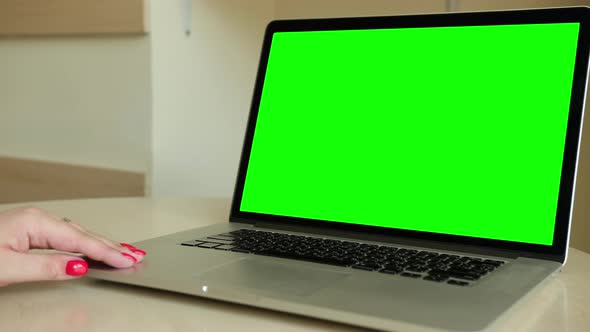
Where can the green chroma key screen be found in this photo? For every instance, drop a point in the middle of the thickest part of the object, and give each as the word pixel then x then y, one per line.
pixel 454 130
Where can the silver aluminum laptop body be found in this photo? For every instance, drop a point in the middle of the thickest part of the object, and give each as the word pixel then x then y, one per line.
pixel 383 301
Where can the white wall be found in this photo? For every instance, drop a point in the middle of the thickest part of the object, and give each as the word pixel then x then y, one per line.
pixel 77 100
pixel 471 5
pixel 343 8
pixel 202 86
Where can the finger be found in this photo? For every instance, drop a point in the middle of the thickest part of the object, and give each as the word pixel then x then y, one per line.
pixel 24 267
pixel 97 236
pixel 46 231
pixel 123 247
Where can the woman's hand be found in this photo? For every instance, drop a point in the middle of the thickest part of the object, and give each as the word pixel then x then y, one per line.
pixel 31 228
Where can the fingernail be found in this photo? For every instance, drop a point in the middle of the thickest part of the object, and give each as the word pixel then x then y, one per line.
pixel 138 251
pixel 76 268
pixel 127 245
pixel 129 256
pixel 133 249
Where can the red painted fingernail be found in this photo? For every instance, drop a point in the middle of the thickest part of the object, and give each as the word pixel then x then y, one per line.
pixel 129 256
pixel 138 251
pixel 76 268
pixel 127 245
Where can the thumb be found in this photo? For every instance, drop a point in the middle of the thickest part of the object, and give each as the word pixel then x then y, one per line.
pixel 23 267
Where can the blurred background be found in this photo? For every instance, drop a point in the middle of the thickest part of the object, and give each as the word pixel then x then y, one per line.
pixel 118 98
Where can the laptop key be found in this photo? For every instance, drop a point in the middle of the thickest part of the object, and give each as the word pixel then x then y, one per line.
pixel 217 240
pixel 463 274
pixel 208 245
pixel 224 247
pixel 471 277
pixel 486 268
pixel 220 238
pixel 226 235
pixel 416 269
pixel 192 243
pixel 493 262
pixel 457 283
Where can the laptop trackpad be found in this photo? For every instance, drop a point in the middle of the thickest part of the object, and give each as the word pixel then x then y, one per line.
pixel 272 277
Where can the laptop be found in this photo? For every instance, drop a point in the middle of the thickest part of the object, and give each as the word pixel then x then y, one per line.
pixel 398 173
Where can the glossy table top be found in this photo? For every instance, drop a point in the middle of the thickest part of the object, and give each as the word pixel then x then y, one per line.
pixel 561 304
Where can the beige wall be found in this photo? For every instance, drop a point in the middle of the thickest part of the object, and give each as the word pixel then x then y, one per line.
pixel 202 87
pixel 77 100
pixel 337 8
pixel 468 5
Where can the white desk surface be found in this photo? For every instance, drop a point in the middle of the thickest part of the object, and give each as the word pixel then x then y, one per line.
pixel 562 304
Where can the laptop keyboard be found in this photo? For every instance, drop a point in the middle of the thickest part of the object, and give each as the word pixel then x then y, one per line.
pixel 418 264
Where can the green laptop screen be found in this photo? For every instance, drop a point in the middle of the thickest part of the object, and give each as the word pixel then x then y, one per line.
pixel 452 130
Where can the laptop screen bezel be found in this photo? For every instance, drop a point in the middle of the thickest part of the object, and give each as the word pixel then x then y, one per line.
pixel 558 249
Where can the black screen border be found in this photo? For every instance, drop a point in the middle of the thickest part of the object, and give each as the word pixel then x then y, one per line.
pixel 558 250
